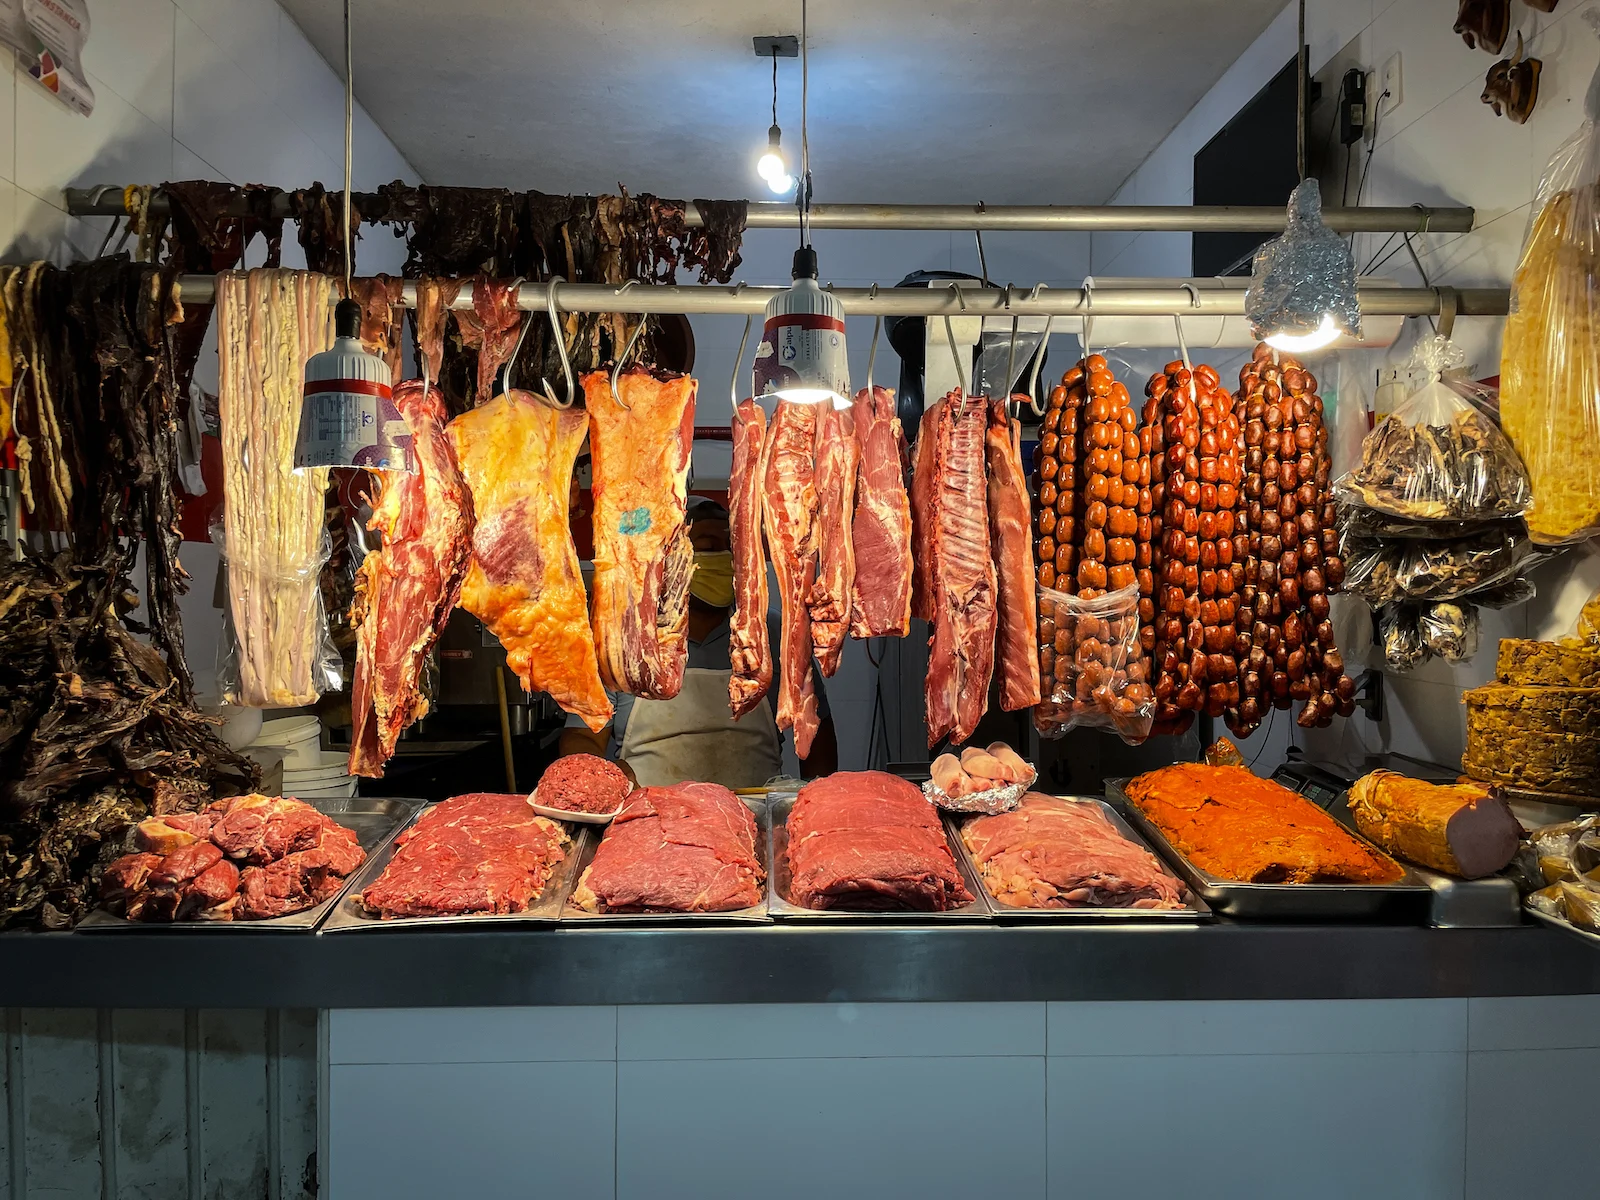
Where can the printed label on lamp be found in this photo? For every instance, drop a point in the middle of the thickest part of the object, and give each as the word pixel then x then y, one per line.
pixel 802 351
pixel 352 423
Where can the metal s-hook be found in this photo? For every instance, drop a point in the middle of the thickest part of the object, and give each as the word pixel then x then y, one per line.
pixel 733 386
pixel 1088 314
pixel 1449 303
pixel 872 352
pixel 556 331
pixel 616 370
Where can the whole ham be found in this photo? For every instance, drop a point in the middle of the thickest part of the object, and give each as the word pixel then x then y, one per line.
pixel 748 645
pixel 880 600
pixel 642 554
pixel 1011 538
pixel 962 588
pixel 517 454
pixel 830 597
pixel 789 496
pixel 406 588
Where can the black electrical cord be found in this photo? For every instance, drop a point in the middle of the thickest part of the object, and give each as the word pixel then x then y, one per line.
pixel 774 83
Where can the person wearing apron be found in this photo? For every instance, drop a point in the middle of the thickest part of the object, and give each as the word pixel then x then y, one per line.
pixel 694 736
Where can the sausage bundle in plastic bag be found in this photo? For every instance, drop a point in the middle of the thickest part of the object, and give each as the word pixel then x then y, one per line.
pixel 1550 358
pixel 1090 665
pixel 1438 456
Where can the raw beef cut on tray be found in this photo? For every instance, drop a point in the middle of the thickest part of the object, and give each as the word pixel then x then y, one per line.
pixel 584 783
pixel 868 841
pixel 790 496
pixel 1054 853
pixel 749 647
pixel 517 454
pixel 837 458
pixel 881 531
pixel 478 853
pixel 187 864
pixel 642 554
pixel 406 588
pixel 690 847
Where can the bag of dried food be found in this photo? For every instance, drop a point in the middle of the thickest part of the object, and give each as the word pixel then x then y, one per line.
pixel 1550 359
pixel 1384 570
pixel 1090 665
pixel 1439 456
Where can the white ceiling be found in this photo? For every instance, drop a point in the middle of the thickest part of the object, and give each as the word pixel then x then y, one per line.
pixel 927 101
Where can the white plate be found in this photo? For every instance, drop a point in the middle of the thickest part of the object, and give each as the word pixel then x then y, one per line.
pixel 283 731
pixel 566 814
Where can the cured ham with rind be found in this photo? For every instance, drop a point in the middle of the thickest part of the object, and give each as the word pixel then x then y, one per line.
pixel 517 455
pixel 406 589
pixel 880 598
pixel 789 496
pixel 748 644
pixel 642 554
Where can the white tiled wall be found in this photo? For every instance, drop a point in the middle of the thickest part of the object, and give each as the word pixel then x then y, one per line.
pixel 1441 146
pixel 184 89
pixel 1380 1098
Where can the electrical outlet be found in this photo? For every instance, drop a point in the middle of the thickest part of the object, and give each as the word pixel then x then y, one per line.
pixel 1391 87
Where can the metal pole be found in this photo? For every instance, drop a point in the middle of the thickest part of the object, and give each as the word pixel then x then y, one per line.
pixel 106 201
pixel 939 301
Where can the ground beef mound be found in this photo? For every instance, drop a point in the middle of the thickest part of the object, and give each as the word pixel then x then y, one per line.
pixel 583 783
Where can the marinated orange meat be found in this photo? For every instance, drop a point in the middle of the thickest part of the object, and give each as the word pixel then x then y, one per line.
pixel 1233 825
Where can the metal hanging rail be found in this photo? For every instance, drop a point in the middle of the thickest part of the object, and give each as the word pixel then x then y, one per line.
pixel 107 201
pixel 951 300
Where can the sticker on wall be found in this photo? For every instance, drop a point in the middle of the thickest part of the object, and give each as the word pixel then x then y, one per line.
pixel 48 37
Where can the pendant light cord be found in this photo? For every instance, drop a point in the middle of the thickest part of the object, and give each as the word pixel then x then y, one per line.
pixel 1300 95
pixel 774 83
pixel 349 124
pixel 804 194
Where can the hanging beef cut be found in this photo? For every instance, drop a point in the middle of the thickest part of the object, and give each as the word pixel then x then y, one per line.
pixel 517 454
pixel 748 645
pixel 642 554
pixel 880 600
pixel 491 326
pixel 955 519
pixel 865 840
pixel 406 589
pixel 690 847
pixel 837 457
pixel 790 499
pixel 1010 532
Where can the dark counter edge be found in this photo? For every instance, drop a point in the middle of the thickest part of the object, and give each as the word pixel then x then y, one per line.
pixel 772 964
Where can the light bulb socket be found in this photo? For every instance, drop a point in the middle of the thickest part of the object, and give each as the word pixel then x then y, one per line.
pixel 774 137
pixel 347 319
pixel 805 264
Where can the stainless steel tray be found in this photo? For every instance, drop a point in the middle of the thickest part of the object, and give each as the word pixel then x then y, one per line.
pixel 348 914
pixel 376 822
pixel 778 892
pixel 1562 924
pixel 1404 901
pixel 755 913
pixel 1197 909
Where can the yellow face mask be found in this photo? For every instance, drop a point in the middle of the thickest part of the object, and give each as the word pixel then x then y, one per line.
pixel 712 581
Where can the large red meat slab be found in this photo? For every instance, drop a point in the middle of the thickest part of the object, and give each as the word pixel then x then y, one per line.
pixel 869 841
pixel 690 847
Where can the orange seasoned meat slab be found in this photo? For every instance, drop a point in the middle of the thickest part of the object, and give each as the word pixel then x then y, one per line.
pixel 642 554
pixel 517 455
pixel 1233 825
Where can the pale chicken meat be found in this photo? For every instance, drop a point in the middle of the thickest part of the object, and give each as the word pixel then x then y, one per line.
pixel 789 494
pixel 642 554
pixel 748 645
pixel 880 594
pixel 1011 537
pixel 517 454
pixel 407 587
pixel 836 459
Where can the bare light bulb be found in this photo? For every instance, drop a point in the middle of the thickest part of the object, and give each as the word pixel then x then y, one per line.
pixel 770 166
pixel 1324 335
pixel 781 183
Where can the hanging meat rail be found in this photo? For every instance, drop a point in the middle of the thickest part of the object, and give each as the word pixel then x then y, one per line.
pixel 946 300
pixel 107 201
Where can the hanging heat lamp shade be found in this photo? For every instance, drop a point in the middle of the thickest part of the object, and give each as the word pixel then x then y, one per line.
pixel 348 417
pixel 802 352
pixel 1303 285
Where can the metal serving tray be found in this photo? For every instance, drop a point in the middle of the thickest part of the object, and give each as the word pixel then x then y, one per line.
pixel 375 820
pixel 1562 924
pixel 1197 909
pixel 1403 902
pixel 755 913
pixel 778 880
pixel 546 910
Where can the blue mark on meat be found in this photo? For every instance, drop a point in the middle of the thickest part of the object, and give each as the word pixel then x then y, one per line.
pixel 635 520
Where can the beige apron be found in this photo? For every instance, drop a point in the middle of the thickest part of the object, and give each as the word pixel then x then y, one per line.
pixel 694 737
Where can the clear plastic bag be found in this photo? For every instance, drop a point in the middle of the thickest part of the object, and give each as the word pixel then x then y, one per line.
pixel 1449 630
pixel 1550 357
pixel 1439 456
pixel 276 650
pixel 1401 630
pixel 1090 665
pixel 1382 571
pixel 1359 521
